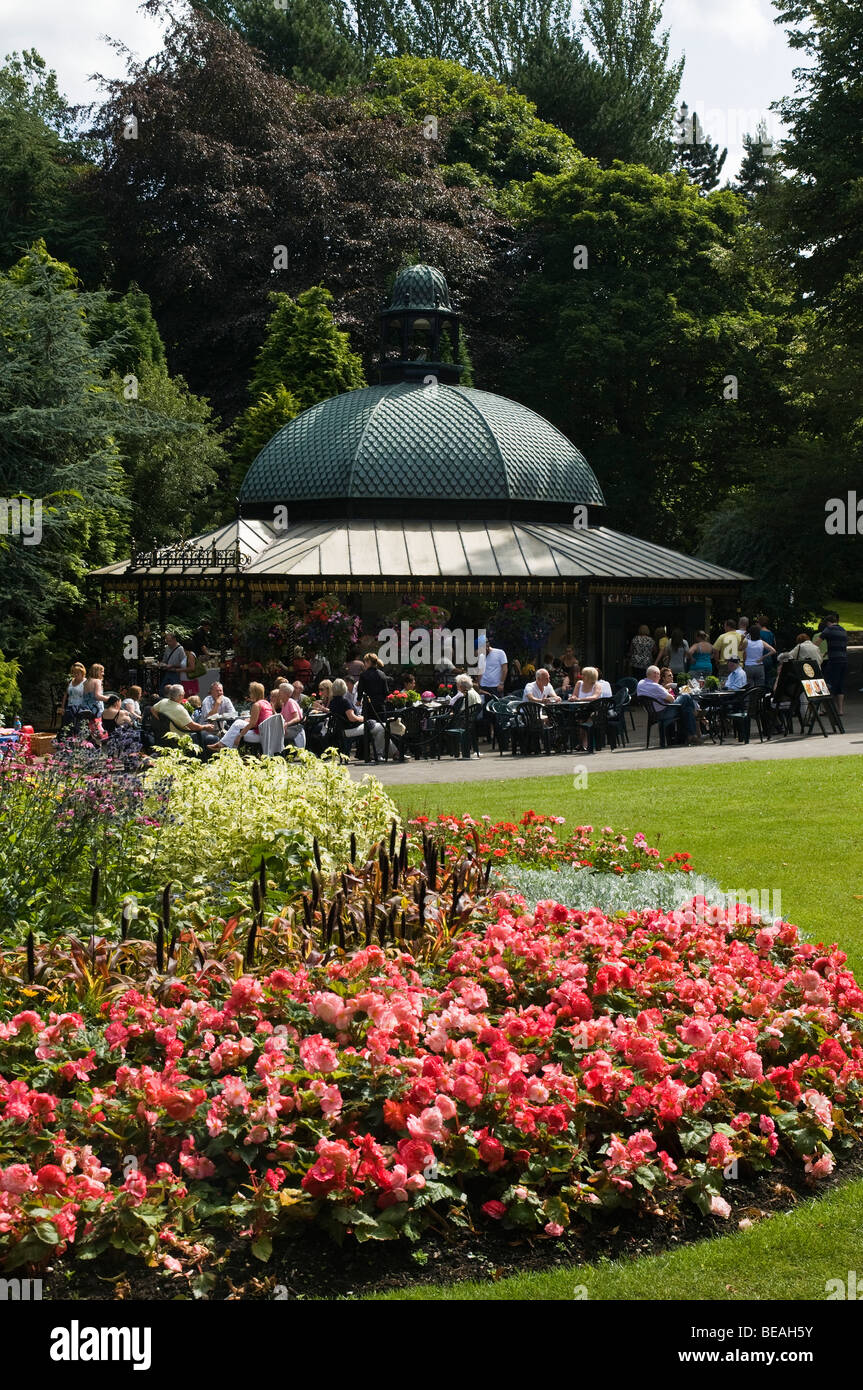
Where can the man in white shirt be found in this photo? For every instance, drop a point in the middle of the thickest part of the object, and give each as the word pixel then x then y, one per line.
pixel 226 708
pixel 351 695
pixel 540 690
pixel 669 709
pixel 493 677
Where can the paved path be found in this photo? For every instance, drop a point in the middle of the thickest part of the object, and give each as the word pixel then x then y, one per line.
pixel 491 766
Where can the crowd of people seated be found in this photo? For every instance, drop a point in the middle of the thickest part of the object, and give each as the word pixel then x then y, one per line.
pixel 316 704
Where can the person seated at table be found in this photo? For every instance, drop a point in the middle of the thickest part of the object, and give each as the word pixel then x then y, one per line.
pixel 465 690
pixel 540 690
pixel 299 691
pixel 114 716
pixel 350 682
pixel 408 682
pixel 736 682
pixel 356 726
pixel 373 683
pixel 354 666
pixel 666 679
pixel 324 695
pixel 216 706
pixel 678 710
pixel 247 729
pixel 587 688
pixel 132 701
pixel 465 695
pixel 172 708
pixel 292 715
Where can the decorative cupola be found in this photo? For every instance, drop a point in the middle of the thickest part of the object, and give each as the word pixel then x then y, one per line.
pixel 420 329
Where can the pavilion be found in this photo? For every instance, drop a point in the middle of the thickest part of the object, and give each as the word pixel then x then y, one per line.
pixel 422 485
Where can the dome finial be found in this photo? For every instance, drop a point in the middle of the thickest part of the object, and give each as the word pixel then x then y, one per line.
pixel 420 329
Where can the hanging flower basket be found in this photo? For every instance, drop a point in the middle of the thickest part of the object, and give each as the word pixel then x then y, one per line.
pixel 328 628
pixel 419 614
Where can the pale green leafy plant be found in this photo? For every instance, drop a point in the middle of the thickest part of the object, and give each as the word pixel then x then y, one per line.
pixel 224 814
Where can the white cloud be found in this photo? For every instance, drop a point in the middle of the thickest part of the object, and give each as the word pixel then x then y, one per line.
pixel 747 24
pixel 69 38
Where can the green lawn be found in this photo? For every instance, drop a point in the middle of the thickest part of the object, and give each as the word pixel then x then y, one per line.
pixel 850 613
pixel 790 826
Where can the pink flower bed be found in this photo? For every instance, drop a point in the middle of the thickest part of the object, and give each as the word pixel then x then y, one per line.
pixel 553 1063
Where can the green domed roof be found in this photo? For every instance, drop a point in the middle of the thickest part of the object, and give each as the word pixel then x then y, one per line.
pixel 443 444
pixel 420 287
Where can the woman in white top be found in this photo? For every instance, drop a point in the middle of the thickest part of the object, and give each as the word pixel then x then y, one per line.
pixel 754 648
pixel 73 698
pixel 589 687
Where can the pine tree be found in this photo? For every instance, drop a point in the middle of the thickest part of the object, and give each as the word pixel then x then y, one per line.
pixel 758 170
pixel 695 155
pixel 58 423
pixel 616 103
pixel 130 319
pixel 304 359
pixel 305 351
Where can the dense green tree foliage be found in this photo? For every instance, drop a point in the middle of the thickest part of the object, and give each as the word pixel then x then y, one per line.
pixel 649 336
pixel 240 183
pixel 43 171
pixel 304 359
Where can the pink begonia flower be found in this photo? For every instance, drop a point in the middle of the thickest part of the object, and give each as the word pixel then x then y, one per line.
pixel 446 1106
pixel 235 1093
pixel 553 1228
pixel 318 1054
pixel 819 1105
pixel 752 1066
pixel 136 1186
pixel 246 991
pixel 719 1207
pixel 329 1098
pixel 17 1178
pixel 429 1124
pixel 821 1168
pixel 333 1009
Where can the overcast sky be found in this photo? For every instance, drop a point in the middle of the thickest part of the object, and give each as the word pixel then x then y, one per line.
pixel 737 59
